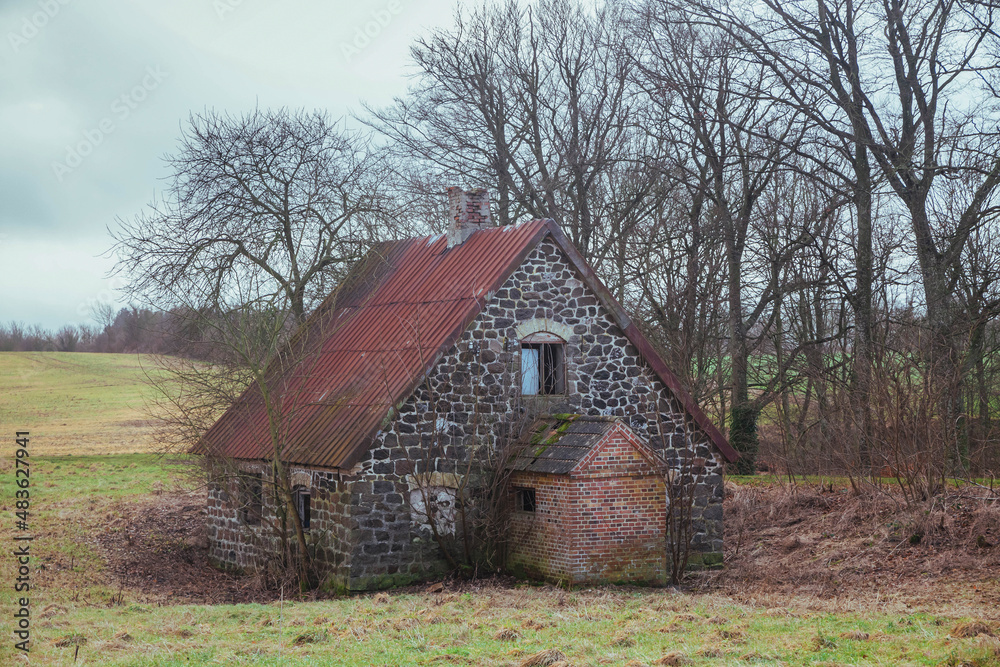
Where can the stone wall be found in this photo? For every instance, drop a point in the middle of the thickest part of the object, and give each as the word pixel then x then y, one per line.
pixel 235 544
pixel 471 401
pixel 468 405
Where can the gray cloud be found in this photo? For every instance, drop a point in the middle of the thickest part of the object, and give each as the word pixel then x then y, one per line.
pixel 93 94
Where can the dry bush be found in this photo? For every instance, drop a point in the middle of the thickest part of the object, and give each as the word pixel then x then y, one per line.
pixel 823 543
pixel 984 520
pixel 969 629
pixel 544 658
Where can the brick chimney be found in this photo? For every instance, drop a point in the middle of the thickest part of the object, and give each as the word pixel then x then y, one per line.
pixel 468 212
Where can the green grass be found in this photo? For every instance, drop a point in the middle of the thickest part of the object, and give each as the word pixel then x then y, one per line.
pixel 77 403
pixel 612 627
pixel 74 604
pixel 84 403
pixel 72 497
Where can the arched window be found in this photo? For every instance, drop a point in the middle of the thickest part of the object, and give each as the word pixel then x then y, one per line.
pixel 300 495
pixel 543 364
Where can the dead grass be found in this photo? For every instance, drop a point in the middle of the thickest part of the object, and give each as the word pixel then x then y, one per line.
pixel 544 658
pixel 847 551
pixel 967 629
pixel 623 641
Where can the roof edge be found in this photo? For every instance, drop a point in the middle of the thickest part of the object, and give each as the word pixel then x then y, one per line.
pixel 451 340
pixel 646 349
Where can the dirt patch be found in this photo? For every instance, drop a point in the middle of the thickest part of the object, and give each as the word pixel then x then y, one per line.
pixel 830 544
pixel 822 545
pixel 159 548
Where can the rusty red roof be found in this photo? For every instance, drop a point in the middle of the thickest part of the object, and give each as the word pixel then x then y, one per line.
pixel 371 342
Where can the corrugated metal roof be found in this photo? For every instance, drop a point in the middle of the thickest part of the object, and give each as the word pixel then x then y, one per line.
pixel 370 343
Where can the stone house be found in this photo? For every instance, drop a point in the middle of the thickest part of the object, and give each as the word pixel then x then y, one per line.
pixel 427 353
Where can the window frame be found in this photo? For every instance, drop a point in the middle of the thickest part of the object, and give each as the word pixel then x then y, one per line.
pixel 525 500
pixel 251 497
pixel 547 346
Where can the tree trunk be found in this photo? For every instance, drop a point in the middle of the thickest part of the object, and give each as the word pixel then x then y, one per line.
pixel 743 423
pixel 864 339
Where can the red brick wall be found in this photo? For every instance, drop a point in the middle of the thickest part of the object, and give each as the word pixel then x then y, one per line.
pixel 602 522
pixel 541 542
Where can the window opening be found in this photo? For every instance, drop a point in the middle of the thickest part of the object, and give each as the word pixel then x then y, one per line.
pixel 525 500
pixel 542 365
pixel 302 505
pixel 251 497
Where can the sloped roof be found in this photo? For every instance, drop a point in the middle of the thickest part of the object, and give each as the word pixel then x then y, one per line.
pixel 559 443
pixel 371 342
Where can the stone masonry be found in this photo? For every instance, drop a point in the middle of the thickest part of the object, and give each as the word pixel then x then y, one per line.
pixel 364 525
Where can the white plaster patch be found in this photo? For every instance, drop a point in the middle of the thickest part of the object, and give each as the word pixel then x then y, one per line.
pixel 537 324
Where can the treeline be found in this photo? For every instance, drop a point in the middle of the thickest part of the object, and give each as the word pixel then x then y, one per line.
pixel 130 330
pixel 798 201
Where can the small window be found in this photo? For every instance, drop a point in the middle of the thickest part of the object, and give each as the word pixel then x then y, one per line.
pixel 524 500
pixel 251 497
pixel 302 500
pixel 542 365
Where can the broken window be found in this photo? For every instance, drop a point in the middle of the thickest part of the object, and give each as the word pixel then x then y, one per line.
pixel 542 364
pixel 302 504
pixel 251 497
pixel 524 500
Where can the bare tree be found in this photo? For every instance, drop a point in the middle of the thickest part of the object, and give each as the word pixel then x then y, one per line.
pixel 904 88
pixel 535 102
pixel 261 372
pixel 287 196
pixel 263 215
pixel 731 141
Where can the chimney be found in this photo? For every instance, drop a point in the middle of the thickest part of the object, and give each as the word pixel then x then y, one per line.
pixel 468 212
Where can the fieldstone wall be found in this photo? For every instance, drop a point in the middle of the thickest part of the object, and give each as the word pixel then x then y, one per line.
pixel 235 544
pixel 374 525
pixel 471 401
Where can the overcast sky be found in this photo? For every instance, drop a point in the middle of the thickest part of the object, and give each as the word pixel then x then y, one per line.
pixel 93 93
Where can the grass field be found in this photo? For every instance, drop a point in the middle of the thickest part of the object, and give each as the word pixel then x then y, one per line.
pixel 83 613
pixel 80 611
pixel 504 627
pixel 77 403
